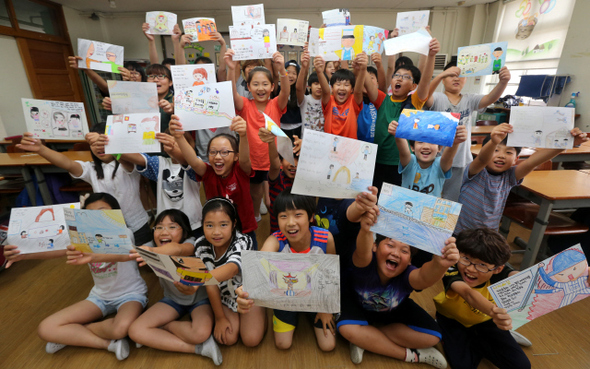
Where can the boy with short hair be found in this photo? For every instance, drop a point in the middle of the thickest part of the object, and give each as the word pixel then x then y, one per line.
pixel 374 86
pixel 473 327
pixel 310 105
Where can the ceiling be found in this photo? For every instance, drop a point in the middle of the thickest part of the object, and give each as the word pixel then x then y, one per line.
pixel 187 5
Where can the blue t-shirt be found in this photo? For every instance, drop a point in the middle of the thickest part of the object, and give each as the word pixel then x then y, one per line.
pixel 366 122
pixel 429 181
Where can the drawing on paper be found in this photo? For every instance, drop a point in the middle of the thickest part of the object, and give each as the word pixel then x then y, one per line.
pixel 408 22
pixel 248 15
pixel 207 106
pixel 253 42
pixel 481 60
pixel 132 133
pixel 98 231
pixel 418 219
pixel 336 17
pixel 60 120
pixel 284 143
pixel 187 76
pixel 428 126
pixel 306 282
pixel 418 42
pixel 292 32
pixel 133 97
pixel 328 166
pixel 200 28
pixel 556 282
pixel 100 56
pixel 39 229
pixel 345 42
pixel 541 126
pixel 161 23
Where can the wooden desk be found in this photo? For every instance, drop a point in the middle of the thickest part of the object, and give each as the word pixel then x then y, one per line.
pixel 17 163
pixel 481 130
pixel 551 189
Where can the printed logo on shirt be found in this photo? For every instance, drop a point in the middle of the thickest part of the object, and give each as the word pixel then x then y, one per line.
pixel 232 187
pixel 340 118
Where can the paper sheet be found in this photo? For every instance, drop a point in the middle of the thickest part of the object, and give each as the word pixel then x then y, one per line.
pixel 161 23
pixel 428 126
pixel 253 42
pixel 206 106
pixel 248 15
pixel 541 126
pixel 345 42
pixel 132 133
pixel 57 120
pixel 200 28
pixel 408 22
pixel 292 32
pixel 188 76
pixel 482 60
pixel 133 97
pixel 336 17
pixel 100 56
pixel 418 42
pixel 284 144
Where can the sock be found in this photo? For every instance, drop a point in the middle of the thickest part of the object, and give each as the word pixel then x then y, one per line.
pixel 120 348
pixel 210 349
pixel 430 356
pixel 52 348
pixel 520 339
pixel 356 353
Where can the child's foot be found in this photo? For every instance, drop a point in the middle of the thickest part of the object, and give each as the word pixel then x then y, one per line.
pixel 120 348
pixel 263 208
pixel 356 353
pixel 430 356
pixel 520 339
pixel 210 349
pixel 52 348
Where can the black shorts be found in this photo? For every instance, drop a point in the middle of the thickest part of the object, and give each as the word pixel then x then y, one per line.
pixel 259 176
pixel 284 321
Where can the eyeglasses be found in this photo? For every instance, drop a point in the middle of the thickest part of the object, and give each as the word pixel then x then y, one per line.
pixel 111 55
pixel 482 268
pixel 157 76
pixel 403 76
pixel 170 228
pixel 223 153
pixel 134 73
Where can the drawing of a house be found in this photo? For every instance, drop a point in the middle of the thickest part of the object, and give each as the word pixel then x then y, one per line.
pixel 439 215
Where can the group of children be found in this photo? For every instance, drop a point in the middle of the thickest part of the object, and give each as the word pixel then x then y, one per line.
pixel 240 168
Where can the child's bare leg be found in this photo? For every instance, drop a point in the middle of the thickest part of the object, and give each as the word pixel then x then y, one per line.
pixel 197 330
pixel 405 336
pixel 284 340
pixel 256 192
pixel 67 326
pixel 266 195
pixel 253 326
pixel 117 327
pixel 234 321
pixel 325 342
pixel 372 339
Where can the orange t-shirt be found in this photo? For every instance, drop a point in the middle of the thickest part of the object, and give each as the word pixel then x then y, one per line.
pixel 341 120
pixel 255 120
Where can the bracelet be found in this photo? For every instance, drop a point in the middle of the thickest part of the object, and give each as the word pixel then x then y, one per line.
pixel 284 75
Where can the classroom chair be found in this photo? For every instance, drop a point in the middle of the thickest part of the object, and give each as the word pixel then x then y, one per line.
pixel 486 123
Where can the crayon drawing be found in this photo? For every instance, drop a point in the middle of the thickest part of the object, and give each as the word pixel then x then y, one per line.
pixel 189 271
pixel 98 231
pixel 293 282
pixel 39 229
pixel 253 42
pixel 336 17
pixel 100 56
pixel 200 28
pixel 345 42
pixel 552 284
pixel 334 166
pixel 415 218
pixel 482 60
pixel 373 38
pixel 248 15
pixel 428 126
pixel 187 76
pixel 132 133
pixel 284 143
pixel 408 22
pixel 541 126
pixel 133 97
pixel 207 106
pixel 58 120
pixel 161 23
pixel 292 32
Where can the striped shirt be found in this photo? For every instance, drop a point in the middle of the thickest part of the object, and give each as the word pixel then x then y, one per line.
pixel 319 241
pixel 275 187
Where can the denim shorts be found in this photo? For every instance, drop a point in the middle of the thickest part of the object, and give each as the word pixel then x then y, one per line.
pixel 182 310
pixel 111 306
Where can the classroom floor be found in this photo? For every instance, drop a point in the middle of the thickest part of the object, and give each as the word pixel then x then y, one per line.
pixel 32 290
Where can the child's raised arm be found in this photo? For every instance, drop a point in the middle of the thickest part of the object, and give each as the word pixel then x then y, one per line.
pixel 171 147
pixel 446 160
pixel 151 44
pixel 231 66
pixel 434 270
pixel 275 162
pixel 381 78
pixel 320 67
pixel 28 143
pixel 188 152
pixel 391 59
pixel 94 77
pixel 423 86
pixel 486 153
pixel 363 254
pixel 179 56
pixel 451 72
pixel 239 125
pixel 279 66
pixel 302 78
pixel 496 93
pixel 221 70
pixel 12 255
pixel 405 155
pixel 363 202
pixel 360 65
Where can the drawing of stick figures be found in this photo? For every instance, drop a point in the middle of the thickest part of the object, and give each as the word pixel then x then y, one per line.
pixel 335 143
pixel 330 171
pixel 366 151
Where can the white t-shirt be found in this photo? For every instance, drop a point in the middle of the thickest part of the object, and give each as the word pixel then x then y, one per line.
pixel 312 114
pixel 124 187
pixel 175 189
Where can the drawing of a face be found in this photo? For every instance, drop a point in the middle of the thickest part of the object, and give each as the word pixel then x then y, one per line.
pixel 408 207
pixel 74 122
pixel 265 33
pixel 59 119
pixel 90 51
pixel 111 56
pixel 572 273
pixel 99 238
pixel 35 114
pixel 498 53
pixel 347 42
pixel 538 133
pixel 161 18
pixel 285 29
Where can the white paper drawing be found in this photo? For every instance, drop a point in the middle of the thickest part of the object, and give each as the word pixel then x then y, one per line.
pixel 345 42
pixel 292 32
pixel 133 97
pixel 284 143
pixel 253 42
pixel 161 23
pixel 100 56
pixel 200 28
pixel 408 22
pixel 415 218
pixel 39 229
pixel 132 133
pixel 418 42
pixel 336 17
pixel 314 39
pixel 57 120
pixel 248 15
pixel 541 126
pixel 188 76
pixel 206 106
pixel 482 60
pixel 334 166
pixel 292 282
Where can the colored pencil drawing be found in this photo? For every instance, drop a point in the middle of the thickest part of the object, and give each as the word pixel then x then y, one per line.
pixel 408 22
pixel 187 76
pixel 132 133
pixel 100 56
pixel 292 32
pixel 60 120
pixel 334 166
pixel 253 42
pixel 207 106
pixel 481 60
pixel 39 229
pixel 541 126
pixel 428 126
pixel 284 143
pixel 306 282
pixel 556 282
pixel 161 23
pixel 418 42
pixel 336 17
pixel 98 231
pixel 345 42
pixel 248 15
pixel 420 220
pixel 200 28
pixel 133 97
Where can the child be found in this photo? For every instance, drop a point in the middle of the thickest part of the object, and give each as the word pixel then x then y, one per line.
pixel 291 120
pixel 159 326
pixel 473 327
pixel 310 105
pixel 329 69
pixel 424 171
pixel 228 172
pixel 381 280
pixel 468 105
pixel 342 104
pixel 372 91
pixel 220 249
pixel 489 178
pixel 118 288
pixel 104 174
pixel 296 235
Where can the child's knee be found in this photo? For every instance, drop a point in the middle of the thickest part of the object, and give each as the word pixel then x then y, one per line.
pixel 45 328
pixel 135 332
pixel 283 341
pixel 252 339
pixel 348 331
pixel 121 330
pixel 327 345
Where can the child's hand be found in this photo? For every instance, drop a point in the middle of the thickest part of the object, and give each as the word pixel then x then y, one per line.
pixel 460 135
pixel 239 125
pixel 327 323
pixel 265 135
pixel 176 33
pixel 451 72
pixel 222 328
pixel 28 143
pixel 319 64
pixel 186 290
pixel 395 33
pixel 369 218
pixel 360 61
pixel 376 58
pixel 296 144
pixel 579 136
pixel 76 257
pixel 146 27
pixel 501 318
pixel 367 200
pixel 279 61
pixel 91 137
pixel 450 254
pixel 229 59
pixel 504 74
pixel 134 255
pixel 12 255
pixel 175 127
pixel 428 30
pixel 392 129
pixel 167 141
pixel 216 36
pixel 185 39
pixel 166 106
pixel 125 73
pixel 107 104
pixel 305 59
pixel 434 47
pixel 73 61
pixel 500 132
pixel 244 303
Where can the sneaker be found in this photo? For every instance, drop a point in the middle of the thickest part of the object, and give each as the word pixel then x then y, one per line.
pixel 520 339
pixel 263 209
pixel 52 348
pixel 210 349
pixel 356 353
pixel 431 356
pixel 258 218
pixel 120 348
